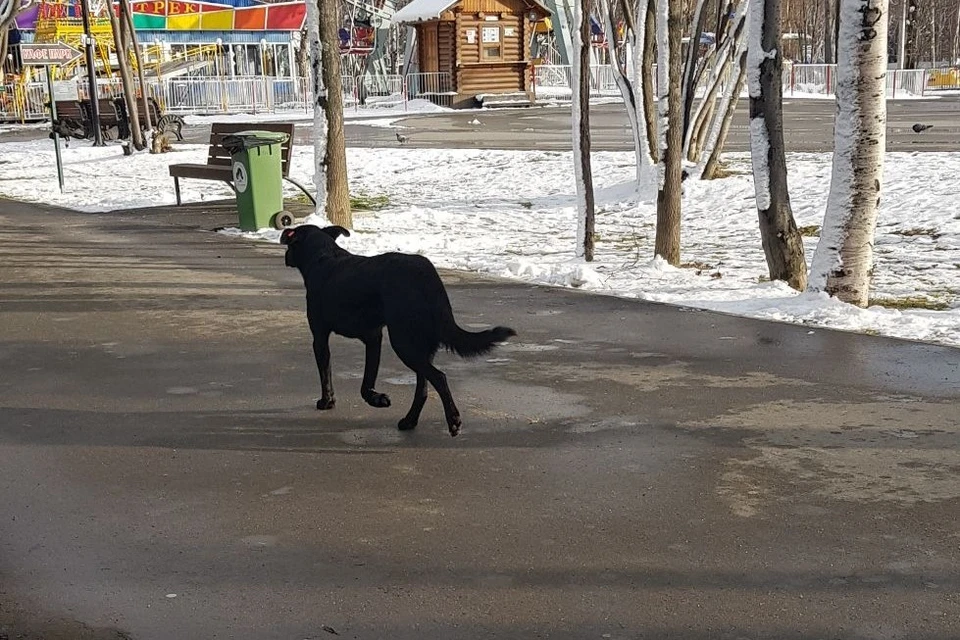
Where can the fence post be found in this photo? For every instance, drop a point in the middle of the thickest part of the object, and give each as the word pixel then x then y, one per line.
pixel 826 88
pixel 923 83
pixel 894 94
pixel 403 87
pixel 793 78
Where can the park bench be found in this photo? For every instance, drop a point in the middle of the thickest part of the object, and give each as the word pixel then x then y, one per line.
pixel 71 121
pixel 219 161
pixel 161 122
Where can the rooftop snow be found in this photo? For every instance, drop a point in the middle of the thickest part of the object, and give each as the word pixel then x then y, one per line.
pixel 421 10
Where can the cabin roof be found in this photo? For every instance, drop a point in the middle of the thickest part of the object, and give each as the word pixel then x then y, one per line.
pixel 424 10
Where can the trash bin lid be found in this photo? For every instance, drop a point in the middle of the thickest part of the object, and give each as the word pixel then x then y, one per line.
pixel 242 140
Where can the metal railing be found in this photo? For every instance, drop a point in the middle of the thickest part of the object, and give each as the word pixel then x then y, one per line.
pixel 822 79
pixel 241 94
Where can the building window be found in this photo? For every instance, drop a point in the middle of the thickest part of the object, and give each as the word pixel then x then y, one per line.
pixel 490 44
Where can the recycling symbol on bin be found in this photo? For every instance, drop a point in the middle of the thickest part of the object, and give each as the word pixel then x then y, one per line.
pixel 240 178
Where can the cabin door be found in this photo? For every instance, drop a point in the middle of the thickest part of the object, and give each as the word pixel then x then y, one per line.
pixel 429 58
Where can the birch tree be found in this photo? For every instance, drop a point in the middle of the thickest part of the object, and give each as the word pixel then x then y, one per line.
pixel 670 119
pixel 690 65
pixel 581 129
pixel 702 136
pixel 844 257
pixel 330 155
pixel 629 74
pixel 782 242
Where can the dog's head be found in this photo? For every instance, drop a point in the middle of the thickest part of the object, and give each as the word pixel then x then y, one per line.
pixel 308 242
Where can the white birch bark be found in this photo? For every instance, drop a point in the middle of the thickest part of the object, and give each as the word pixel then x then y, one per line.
pixel 663 86
pixel 319 104
pixel 725 70
pixel 581 135
pixel 843 260
pixel 690 64
pixel 629 82
pixel 640 34
pixel 759 143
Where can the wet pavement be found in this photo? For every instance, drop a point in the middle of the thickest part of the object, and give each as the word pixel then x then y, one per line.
pixel 808 127
pixel 626 469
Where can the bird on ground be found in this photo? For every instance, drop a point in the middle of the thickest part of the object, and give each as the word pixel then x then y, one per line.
pixel 920 128
pixel 401 139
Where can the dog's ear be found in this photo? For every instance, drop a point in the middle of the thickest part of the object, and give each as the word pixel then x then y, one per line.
pixel 288 236
pixel 336 231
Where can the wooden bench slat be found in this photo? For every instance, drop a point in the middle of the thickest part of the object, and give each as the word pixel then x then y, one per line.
pixel 219 160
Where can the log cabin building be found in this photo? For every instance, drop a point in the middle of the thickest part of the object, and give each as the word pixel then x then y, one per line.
pixel 484 46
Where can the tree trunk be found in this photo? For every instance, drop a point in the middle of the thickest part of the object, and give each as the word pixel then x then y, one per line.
pixel 335 154
pixel 718 136
pixel 669 33
pixel 126 13
pixel 626 84
pixel 315 57
pixel 581 129
pixel 126 81
pixel 690 65
pixel 723 59
pixel 827 32
pixel 782 242
pixel 647 86
pixel 844 258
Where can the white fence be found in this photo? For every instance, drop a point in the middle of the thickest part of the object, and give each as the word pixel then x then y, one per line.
pixel 821 79
pixel 552 82
pixel 249 94
pixel 256 94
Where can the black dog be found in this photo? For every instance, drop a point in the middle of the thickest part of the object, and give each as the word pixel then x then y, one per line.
pixel 356 296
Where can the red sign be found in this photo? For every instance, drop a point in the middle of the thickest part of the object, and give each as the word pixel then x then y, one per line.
pixel 48 54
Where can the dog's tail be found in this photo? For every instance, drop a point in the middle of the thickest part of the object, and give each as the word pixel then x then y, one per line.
pixel 468 344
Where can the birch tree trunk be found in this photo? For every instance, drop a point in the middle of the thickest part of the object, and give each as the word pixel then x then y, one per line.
pixel 632 99
pixel 782 242
pixel 669 26
pixel 707 111
pixel 315 57
pixel 581 129
pixel 647 85
pixel 721 126
pixel 335 160
pixel 690 65
pixel 844 258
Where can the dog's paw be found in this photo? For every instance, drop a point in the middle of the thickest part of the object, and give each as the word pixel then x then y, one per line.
pixel 454 427
pixel 378 400
pixel 326 403
pixel 407 424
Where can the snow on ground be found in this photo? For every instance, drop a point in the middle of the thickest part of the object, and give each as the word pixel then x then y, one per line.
pixel 512 214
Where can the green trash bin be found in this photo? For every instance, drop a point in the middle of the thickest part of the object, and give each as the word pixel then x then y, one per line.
pixel 257 176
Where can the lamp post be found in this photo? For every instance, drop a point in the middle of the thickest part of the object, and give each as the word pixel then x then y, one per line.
pixel 91 73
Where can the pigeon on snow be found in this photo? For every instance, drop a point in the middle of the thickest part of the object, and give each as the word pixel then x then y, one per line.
pixel 920 128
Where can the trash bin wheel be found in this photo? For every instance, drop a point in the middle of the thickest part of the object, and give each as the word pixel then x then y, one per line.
pixel 283 220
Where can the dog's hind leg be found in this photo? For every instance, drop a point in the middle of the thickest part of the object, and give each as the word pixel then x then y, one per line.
pixel 439 382
pixel 321 351
pixel 371 367
pixel 410 420
pixel 426 370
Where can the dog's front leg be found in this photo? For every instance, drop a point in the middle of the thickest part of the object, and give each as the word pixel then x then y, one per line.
pixel 373 341
pixel 321 351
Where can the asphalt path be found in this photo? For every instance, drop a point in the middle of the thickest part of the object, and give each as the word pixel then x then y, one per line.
pixel 808 127
pixel 627 470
